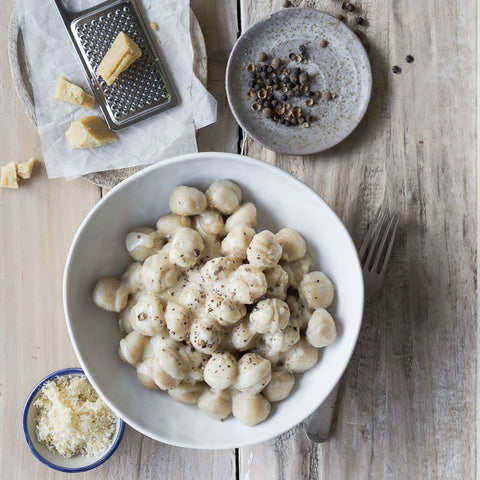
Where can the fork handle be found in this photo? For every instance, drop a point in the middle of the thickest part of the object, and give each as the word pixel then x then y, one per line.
pixel 320 422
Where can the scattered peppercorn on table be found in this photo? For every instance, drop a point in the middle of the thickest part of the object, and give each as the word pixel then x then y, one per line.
pixel 407 405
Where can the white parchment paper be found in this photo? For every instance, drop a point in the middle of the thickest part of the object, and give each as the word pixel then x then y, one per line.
pixel 51 55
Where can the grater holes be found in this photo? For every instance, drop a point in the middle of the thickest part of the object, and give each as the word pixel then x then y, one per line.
pixel 141 86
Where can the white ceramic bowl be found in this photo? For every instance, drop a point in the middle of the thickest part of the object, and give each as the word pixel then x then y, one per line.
pixel 78 463
pixel 98 250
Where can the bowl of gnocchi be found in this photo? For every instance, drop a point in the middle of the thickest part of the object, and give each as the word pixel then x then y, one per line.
pixel 213 300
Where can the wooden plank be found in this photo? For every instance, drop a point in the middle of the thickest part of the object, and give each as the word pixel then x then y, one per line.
pixel 219 25
pixel 37 224
pixel 407 401
pixel 139 456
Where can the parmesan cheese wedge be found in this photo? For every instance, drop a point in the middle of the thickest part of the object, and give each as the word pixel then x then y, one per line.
pixel 8 176
pixel 89 132
pixel 123 52
pixel 71 93
pixel 24 170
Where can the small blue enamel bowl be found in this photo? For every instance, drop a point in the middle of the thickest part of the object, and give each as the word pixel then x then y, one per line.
pixel 53 460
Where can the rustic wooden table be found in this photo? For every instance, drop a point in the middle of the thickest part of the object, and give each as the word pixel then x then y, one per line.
pixel 408 401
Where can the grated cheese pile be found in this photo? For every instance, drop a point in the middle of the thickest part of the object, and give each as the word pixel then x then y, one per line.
pixel 72 419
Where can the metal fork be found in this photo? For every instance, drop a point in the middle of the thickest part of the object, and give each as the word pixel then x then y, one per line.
pixel 374 255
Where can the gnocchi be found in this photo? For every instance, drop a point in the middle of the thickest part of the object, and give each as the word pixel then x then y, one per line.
pixel 215 313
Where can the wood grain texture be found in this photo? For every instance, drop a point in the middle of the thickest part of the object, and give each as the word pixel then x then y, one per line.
pixel 37 224
pixel 219 25
pixel 407 402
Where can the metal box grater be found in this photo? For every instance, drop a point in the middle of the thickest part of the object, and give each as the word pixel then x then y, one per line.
pixel 142 90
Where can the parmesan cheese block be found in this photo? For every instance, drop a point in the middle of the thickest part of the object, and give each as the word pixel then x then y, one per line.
pixel 8 177
pixel 72 419
pixel 71 93
pixel 89 132
pixel 123 52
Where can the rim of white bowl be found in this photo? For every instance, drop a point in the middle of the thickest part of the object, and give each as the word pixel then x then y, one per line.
pixel 146 171
pixel 26 434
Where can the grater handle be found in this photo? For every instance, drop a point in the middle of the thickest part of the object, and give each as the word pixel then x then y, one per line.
pixel 68 16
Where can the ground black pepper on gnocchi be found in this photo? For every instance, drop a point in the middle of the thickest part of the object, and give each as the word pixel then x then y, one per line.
pixel 214 312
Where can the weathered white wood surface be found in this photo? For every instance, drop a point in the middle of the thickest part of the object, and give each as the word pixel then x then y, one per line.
pixel 407 404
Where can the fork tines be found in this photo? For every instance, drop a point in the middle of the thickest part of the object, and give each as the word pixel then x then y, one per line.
pixel 377 246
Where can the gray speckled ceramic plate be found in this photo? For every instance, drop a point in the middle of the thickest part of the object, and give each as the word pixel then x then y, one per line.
pixel 342 67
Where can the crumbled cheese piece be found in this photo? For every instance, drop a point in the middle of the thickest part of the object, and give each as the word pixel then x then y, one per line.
pixel 71 93
pixel 8 177
pixel 89 132
pixel 24 170
pixel 72 419
pixel 153 26
pixel 123 52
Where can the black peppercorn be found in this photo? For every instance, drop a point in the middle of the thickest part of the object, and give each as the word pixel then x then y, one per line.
pixel 350 7
pixel 396 69
pixel 276 62
pixel 292 56
pixel 303 79
pixel 262 56
pixel 296 70
pixel 302 48
pixel 409 59
pixel 284 97
pixel 359 21
pixel 267 112
pixel 287 123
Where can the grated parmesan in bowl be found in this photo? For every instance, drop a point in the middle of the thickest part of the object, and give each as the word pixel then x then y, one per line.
pixel 67 425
